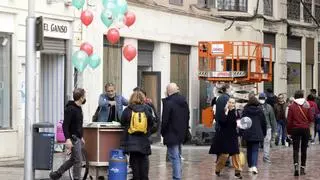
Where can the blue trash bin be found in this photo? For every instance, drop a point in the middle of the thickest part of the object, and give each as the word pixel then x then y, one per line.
pixel 117 165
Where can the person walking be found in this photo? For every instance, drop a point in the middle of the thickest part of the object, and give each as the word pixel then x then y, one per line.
pixel 280 113
pixel 271 127
pixel 110 104
pixel 314 108
pixel 175 126
pixel 73 132
pixel 300 116
pixel 256 133
pixel 137 122
pixel 225 142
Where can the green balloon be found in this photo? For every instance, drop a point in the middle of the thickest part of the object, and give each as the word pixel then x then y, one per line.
pixel 105 2
pixel 122 6
pixel 94 61
pixel 112 6
pixel 106 17
pixel 78 3
pixel 80 60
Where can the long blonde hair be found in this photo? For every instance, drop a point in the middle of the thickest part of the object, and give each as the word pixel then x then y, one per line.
pixel 137 97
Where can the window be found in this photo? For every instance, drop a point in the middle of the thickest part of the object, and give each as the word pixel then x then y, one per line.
pixel 233 5
pixel 268 7
pixel 5 81
pixel 306 16
pixel 176 2
pixel 179 68
pixel 112 57
pixel 293 9
pixel 206 3
pixel 317 9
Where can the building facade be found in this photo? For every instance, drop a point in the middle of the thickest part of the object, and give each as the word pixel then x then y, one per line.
pixel 165 34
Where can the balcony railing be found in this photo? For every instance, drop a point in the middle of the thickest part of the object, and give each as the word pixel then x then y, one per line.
pixel 233 5
pixel 268 7
pixel 293 9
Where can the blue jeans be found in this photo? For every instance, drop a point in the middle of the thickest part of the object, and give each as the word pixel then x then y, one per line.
pixel 252 153
pixel 281 131
pixel 174 152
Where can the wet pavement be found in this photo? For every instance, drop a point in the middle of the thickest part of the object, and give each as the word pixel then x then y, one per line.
pixel 199 165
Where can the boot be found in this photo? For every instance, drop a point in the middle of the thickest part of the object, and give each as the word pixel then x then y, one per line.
pixel 296 169
pixel 302 170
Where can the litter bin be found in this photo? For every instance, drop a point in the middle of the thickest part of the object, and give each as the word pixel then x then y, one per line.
pixel 43 146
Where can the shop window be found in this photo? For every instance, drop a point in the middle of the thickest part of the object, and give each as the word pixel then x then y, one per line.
pixel 179 68
pixel 112 57
pixel 5 81
pixel 293 77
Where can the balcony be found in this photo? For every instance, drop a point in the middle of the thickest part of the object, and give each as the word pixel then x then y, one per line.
pixel 293 9
pixel 232 5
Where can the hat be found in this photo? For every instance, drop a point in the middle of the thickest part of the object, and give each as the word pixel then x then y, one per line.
pixel 262 96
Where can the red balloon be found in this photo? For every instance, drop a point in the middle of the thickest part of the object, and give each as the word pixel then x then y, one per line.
pixel 86 47
pixel 129 52
pixel 113 35
pixel 130 18
pixel 86 17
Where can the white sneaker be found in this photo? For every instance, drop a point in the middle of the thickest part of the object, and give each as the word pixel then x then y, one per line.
pixel 182 158
pixel 254 170
pixel 250 170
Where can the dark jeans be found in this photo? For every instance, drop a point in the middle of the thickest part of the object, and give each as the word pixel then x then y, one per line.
pixel 75 159
pixel 140 166
pixel 300 136
pixel 252 153
pixel 281 131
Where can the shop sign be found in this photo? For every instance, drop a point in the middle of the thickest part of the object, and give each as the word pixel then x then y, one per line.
pixel 217 48
pixel 56 29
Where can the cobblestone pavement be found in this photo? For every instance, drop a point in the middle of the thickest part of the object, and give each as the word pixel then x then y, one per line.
pixel 198 165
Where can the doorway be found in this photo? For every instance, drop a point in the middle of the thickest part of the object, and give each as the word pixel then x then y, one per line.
pixel 151 83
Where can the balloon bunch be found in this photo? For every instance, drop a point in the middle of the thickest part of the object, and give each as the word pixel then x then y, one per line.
pixel 84 57
pixel 115 14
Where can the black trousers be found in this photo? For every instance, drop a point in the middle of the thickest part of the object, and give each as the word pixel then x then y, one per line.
pixel 300 139
pixel 140 166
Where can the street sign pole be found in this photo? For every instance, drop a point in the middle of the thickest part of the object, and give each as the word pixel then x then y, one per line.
pixel 30 110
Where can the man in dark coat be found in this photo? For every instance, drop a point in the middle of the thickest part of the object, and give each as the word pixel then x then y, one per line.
pixel 221 103
pixel 175 126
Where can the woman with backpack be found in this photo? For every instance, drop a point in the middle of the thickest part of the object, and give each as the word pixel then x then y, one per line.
pixel 300 116
pixel 137 122
pixel 256 133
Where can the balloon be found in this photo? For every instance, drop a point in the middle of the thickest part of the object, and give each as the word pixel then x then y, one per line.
pixel 130 18
pixel 106 17
pixel 86 17
pixel 113 8
pixel 80 60
pixel 122 6
pixel 113 35
pixel 244 123
pixel 129 52
pixel 86 47
pixel 94 61
pixel 78 3
pixel 105 2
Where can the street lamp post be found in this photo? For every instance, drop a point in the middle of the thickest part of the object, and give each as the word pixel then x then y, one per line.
pixel 30 110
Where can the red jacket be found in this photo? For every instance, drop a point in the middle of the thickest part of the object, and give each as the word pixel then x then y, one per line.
pixel 295 117
pixel 314 106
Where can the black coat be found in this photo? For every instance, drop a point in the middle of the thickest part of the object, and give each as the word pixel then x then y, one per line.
pixel 175 119
pixel 258 129
pixel 136 142
pixel 226 137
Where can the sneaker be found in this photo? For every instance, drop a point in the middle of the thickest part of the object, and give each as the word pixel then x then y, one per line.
pixel 238 176
pixel 313 142
pixel 55 175
pixel 182 158
pixel 218 173
pixel 266 160
pixel 254 170
pixel 250 169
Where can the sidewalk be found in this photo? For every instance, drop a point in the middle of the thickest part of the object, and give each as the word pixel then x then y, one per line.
pixel 198 165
